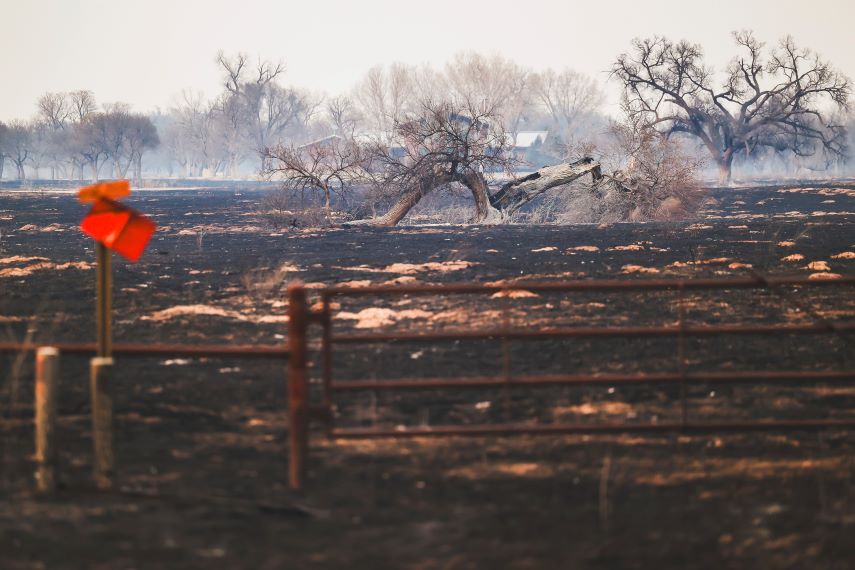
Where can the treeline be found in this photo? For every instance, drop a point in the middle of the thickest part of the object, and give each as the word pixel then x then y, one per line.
pixel 72 136
pixel 772 111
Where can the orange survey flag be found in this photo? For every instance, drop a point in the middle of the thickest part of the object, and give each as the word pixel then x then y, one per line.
pixel 112 190
pixel 118 227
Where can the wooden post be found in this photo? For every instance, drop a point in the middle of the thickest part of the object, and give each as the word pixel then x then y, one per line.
pixel 104 299
pixel 298 417
pixel 101 371
pixel 47 372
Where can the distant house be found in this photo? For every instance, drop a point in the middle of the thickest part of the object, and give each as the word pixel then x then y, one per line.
pixel 528 143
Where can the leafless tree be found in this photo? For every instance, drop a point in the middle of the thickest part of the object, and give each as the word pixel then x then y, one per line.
pixel 458 143
pixel 343 116
pixel 141 137
pixel 329 167
pixel 19 146
pixel 494 81
pixel 82 104
pixel 192 137
pixel 267 108
pixel 4 145
pixel 773 99
pixel 229 131
pixel 386 95
pixel 568 96
pixel 86 143
pixel 55 109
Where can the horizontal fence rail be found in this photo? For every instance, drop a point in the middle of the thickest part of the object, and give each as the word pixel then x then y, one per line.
pixel 524 381
pixel 590 429
pixel 753 282
pixel 140 349
pixel 568 332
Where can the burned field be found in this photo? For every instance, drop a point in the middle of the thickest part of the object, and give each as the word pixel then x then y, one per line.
pixel 201 444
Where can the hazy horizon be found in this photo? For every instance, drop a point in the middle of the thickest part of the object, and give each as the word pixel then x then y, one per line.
pixel 146 56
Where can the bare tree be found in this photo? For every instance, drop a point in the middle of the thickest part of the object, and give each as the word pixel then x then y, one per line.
pixel 82 104
pixel 568 97
pixel 20 146
pixel 229 132
pixel 343 116
pixel 267 108
pixel 55 109
pixel 4 146
pixel 330 167
pixel 774 100
pixel 141 137
pixel 457 144
pixel 386 95
pixel 87 142
pixel 192 139
pixel 495 81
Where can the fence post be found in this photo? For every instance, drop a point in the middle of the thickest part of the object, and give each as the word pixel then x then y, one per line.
pixel 298 416
pixel 101 394
pixel 47 371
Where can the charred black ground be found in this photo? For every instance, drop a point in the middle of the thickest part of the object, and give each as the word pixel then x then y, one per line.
pixel 201 444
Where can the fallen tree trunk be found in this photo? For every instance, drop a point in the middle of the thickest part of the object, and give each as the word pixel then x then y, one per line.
pixel 516 193
pixel 501 205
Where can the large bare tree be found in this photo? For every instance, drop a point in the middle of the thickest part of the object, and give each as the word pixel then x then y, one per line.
pixel 776 98
pixel 459 143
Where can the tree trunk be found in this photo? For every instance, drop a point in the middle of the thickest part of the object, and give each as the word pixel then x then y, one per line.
pixel 327 209
pixel 2 162
pixel 516 193
pixel 399 209
pixel 725 168
pixel 484 210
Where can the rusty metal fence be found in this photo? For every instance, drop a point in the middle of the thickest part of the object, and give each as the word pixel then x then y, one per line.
pixel 505 334
pixel 304 412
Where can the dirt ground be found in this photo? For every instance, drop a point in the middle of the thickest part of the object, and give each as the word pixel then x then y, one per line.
pixel 201 445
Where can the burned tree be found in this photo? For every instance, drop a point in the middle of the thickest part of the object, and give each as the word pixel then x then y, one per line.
pixel 459 144
pixel 773 100
pixel 327 167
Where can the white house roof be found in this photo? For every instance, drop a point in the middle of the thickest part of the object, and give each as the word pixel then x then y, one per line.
pixel 526 139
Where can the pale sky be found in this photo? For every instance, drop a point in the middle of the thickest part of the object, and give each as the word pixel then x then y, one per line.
pixel 146 52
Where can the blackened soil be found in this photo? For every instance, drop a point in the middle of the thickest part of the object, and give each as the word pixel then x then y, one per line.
pixel 201 444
